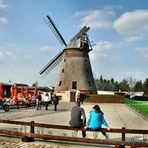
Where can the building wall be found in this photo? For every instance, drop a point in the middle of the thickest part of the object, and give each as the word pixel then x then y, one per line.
pixel 75 67
pixel 66 95
pixel 100 92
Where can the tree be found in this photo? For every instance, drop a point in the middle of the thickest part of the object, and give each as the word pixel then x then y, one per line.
pixel 145 86
pixel 112 80
pixel 101 79
pixel 131 83
pixel 97 83
pixel 35 84
pixel 124 86
pixel 116 85
pixel 10 81
pixel 138 86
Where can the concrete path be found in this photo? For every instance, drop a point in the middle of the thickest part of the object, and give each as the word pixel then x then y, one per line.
pixel 117 116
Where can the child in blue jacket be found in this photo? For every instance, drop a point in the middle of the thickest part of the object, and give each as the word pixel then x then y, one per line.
pixel 96 119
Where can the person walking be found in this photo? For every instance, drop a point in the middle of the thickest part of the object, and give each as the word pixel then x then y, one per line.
pixel 78 117
pixel 38 102
pixel 47 100
pixel 55 101
pixel 96 119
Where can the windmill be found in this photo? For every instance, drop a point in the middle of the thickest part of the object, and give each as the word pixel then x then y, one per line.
pixel 75 70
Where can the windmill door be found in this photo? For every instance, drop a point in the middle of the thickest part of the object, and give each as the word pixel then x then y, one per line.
pixel 72 96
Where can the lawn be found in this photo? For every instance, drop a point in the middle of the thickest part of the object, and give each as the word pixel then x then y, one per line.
pixel 140 106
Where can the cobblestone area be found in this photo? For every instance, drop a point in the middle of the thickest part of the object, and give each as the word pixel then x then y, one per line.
pixel 32 112
pixel 17 143
pixel 9 142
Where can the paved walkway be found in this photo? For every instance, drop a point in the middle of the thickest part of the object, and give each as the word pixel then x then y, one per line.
pixel 117 116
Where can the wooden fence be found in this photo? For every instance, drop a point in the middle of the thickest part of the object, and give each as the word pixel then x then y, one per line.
pixel 29 132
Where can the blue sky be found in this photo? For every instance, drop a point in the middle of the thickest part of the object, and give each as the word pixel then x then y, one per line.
pixel 118 29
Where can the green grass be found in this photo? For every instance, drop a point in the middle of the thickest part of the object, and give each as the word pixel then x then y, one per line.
pixel 140 106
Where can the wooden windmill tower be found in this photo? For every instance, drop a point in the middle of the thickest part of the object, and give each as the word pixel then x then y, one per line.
pixel 75 71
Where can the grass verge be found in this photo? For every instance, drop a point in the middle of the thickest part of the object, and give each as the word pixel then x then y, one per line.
pixel 140 106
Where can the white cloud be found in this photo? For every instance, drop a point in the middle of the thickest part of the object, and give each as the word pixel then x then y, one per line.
pixel 96 18
pixel 7 54
pixel 2 5
pixel 132 25
pixel 143 51
pixel 1 55
pixel 45 48
pixel 3 20
pixel 101 49
pixel 26 56
pixel 103 45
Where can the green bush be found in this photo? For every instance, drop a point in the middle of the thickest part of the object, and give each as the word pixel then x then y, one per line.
pixel 140 98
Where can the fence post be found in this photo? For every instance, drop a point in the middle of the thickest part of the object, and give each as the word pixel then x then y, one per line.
pixel 29 139
pixel 123 137
pixel 32 127
pixel 123 133
pixel 119 146
pixel 31 131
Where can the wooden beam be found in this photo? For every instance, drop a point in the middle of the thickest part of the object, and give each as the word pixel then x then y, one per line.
pixel 73 139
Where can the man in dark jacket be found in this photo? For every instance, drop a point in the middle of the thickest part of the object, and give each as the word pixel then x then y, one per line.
pixel 55 101
pixel 76 121
pixel 38 102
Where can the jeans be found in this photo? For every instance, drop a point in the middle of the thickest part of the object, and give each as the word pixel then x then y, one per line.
pixel 103 133
pixel 83 132
pixel 46 105
pixel 38 104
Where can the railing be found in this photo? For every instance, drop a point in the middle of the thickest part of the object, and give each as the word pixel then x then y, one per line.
pixel 33 130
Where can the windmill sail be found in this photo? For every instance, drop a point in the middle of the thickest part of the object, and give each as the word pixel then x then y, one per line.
pixel 54 29
pixel 52 64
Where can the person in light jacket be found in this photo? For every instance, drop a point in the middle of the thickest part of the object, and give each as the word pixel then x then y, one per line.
pixel 47 100
pixel 96 119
